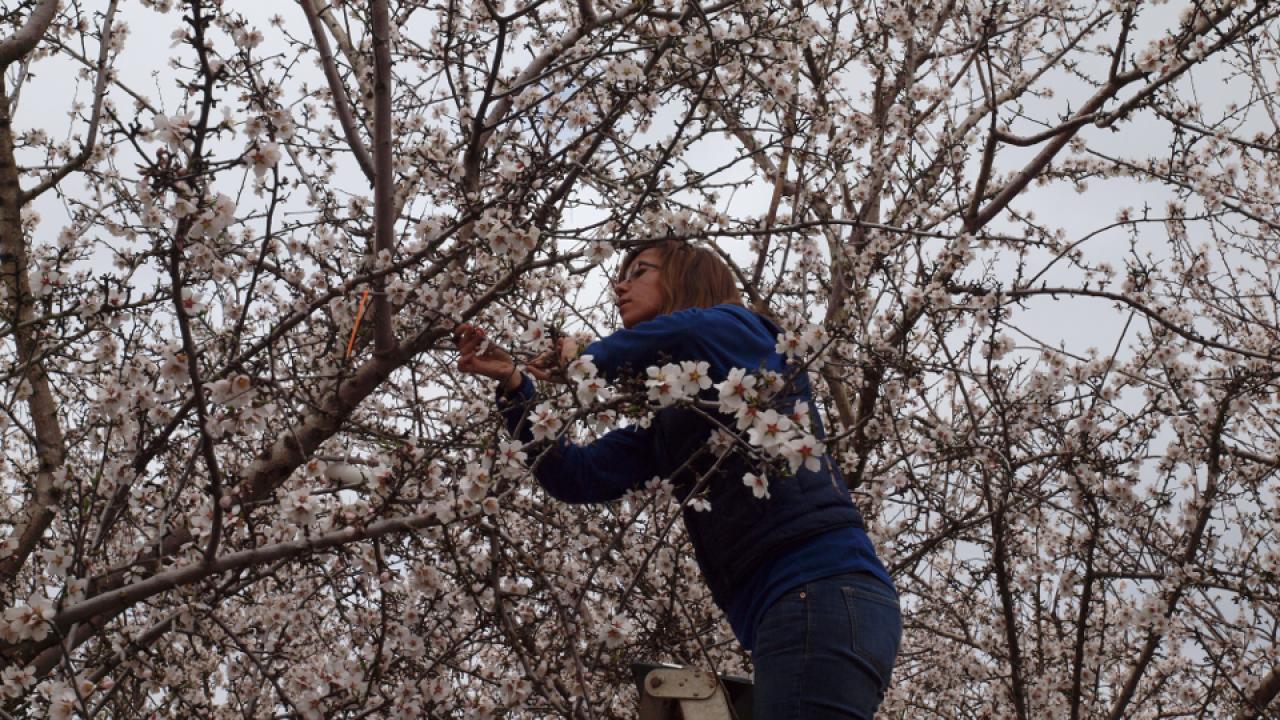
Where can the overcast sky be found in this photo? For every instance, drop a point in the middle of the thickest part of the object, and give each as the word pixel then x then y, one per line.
pixel 144 67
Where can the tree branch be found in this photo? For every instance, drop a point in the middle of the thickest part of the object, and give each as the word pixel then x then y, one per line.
pixel 109 603
pixel 338 89
pixel 384 209
pixel 95 117
pixel 1262 697
pixel 25 39
pixel 49 442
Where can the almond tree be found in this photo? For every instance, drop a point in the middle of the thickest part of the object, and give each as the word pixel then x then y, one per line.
pixel 242 478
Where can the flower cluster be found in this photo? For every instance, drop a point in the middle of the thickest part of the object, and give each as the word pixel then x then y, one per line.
pixel 672 382
pixel 796 344
pixel 380 547
pixel 779 434
pixel 28 620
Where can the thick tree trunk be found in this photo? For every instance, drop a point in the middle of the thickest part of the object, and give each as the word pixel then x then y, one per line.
pixel 16 307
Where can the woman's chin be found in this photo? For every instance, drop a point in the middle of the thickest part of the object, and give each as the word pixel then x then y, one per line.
pixel 630 317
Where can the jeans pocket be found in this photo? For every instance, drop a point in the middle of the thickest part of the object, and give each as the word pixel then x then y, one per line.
pixel 877 629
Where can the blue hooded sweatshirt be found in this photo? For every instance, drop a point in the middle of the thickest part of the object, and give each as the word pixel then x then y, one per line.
pixel 751 550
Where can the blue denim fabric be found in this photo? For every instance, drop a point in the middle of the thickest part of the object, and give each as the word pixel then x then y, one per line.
pixel 826 650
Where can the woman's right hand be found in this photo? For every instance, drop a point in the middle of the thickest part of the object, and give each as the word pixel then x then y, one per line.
pixel 479 357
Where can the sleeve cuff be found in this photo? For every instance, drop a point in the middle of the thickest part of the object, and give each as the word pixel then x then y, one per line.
pixel 518 396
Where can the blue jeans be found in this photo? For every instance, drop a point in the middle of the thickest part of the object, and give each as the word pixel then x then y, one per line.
pixel 826 649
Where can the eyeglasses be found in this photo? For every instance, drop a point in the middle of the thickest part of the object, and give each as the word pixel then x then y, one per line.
pixel 636 269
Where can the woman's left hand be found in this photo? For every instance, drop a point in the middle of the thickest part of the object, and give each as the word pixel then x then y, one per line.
pixel 550 366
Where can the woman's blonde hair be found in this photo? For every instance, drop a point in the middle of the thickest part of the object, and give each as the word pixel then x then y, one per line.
pixel 692 277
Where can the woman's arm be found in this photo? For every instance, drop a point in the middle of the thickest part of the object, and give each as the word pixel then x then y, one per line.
pixel 662 339
pixel 604 470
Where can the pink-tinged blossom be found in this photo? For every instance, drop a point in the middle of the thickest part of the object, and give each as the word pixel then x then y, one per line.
pixel 299 507
pixel 580 117
pixel 759 484
pixel 804 451
pixel 58 560
pixel 247 38
pixel 591 390
pixel 697 44
pixel 545 422
pixel 582 368
pixel 616 631
pixel 62 701
pixel 746 416
pixel 770 430
pixel 511 170
pixel 235 391
pixel 535 333
pixel 173 131
pixel 476 481
pixel 658 484
pixel 510 452
pixel 769 383
pixel 263 158
pixel 598 251
pixel 694 377
pixel 800 415
pixel 736 391
pixel 603 420
pixel 789 344
pixel 721 441
pixel 15 680
pixel 625 72
pixel 191 301
pixel 286 128
pixel 665 384
pixel 398 291
pixel 431 227
pixel 183 207
pixel 215 218
pixel 814 336
pixel 28 620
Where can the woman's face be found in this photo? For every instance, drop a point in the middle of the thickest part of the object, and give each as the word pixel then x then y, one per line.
pixel 639 290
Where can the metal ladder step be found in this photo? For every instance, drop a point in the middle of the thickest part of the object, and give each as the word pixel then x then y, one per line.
pixel 671 692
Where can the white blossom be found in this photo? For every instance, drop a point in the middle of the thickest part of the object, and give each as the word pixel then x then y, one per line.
pixel 693 377
pixel 299 507
pixel 803 451
pixel 616 631
pixel 770 430
pixel 545 422
pixel 759 484
pixel 263 157
pixel 666 384
pixel 736 391
pixel 29 620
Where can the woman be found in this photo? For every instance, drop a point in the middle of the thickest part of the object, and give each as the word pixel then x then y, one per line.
pixel 792 567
